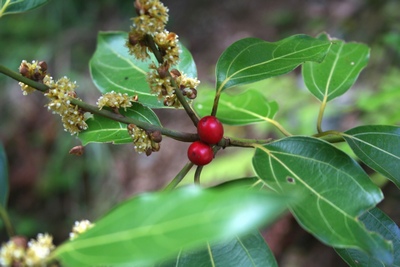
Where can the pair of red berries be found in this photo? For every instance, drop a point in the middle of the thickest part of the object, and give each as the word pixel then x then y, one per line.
pixel 210 131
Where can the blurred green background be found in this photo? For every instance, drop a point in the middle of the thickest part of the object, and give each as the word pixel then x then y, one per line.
pixel 50 189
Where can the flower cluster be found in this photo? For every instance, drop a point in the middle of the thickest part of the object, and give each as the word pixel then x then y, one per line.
pixel 144 141
pixel 160 84
pixel 17 252
pixel 151 20
pixel 79 228
pixel 35 71
pixel 116 100
pixel 167 43
pixel 59 94
pixel 148 34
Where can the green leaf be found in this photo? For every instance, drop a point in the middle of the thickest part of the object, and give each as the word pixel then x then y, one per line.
pixel 153 227
pixel 240 109
pixel 18 6
pixel 335 188
pixel 103 130
pixel 377 221
pixel 3 177
pixel 114 69
pixel 339 70
pixel 248 250
pixel 251 59
pixel 378 146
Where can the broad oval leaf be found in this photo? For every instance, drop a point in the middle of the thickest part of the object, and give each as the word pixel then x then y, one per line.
pixel 336 191
pixel 248 250
pixel 377 221
pixel 240 109
pixel 103 130
pixel 3 177
pixel 339 70
pixel 152 227
pixel 378 146
pixel 113 69
pixel 251 59
pixel 19 6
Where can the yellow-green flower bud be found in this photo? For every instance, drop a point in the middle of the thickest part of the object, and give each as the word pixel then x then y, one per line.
pixel 116 100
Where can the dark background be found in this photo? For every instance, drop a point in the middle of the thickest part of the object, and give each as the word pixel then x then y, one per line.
pixel 50 188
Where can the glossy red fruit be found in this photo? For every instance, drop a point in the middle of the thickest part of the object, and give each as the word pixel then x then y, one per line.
pixel 200 153
pixel 210 130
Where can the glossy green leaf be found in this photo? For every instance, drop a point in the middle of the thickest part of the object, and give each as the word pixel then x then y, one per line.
pixel 248 250
pixel 251 59
pixel 378 146
pixel 114 69
pixel 339 70
pixel 152 227
pixel 103 130
pixel 245 108
pixel 335 188
pixel 18 6
pixel 3 177
pixel 377 221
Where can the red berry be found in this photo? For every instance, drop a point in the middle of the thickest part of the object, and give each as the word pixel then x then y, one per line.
pixel 200 153
pixel 210 130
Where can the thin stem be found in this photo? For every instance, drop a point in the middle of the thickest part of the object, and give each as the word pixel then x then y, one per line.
pixel 18 77
pixel 321 114
pixel 181 98
pixel 278 126
pixel 180 136
pixel 330 136
pixel 185 104
pixel 179 177
pixel 215 104
pixel 242 142
pixel 154 49
pixel 197 175
pixel 333 139
pixel 7 222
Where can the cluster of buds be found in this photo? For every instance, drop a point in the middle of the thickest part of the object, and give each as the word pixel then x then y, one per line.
pixel 35 71
pixel 19 252
pixel 150 22
pixel 148 34
pixel 79 228
pixel 160 84
pixel 144 141
pixel 60 92
pixel 116 100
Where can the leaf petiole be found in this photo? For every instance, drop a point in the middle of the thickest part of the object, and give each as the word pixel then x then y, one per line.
pixel 7 222
pixel 179 177
pixel 321 113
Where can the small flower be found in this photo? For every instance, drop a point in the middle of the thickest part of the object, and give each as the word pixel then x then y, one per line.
pixel 115 100
pixel 38 250
pixel 153 8
pixel 35 71
pixel 168 44
pixel 159 83
pixel 172 101
pixel 142 140
pixel 79 228
pixel 10 253
pixel 186 82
